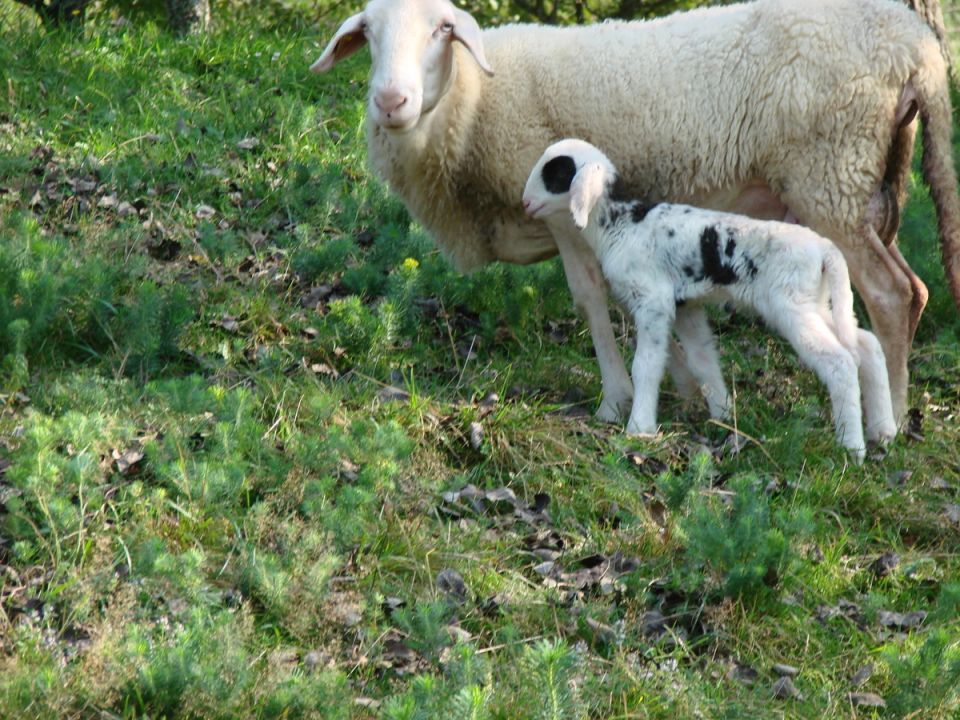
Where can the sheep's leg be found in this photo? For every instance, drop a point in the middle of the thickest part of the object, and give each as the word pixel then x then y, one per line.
pixel 920 293
pixel 878 419
pixel 818 347
pixel 698 342
pixel 684 381
pixel 589 290
pixel 894 304
pixel 653 333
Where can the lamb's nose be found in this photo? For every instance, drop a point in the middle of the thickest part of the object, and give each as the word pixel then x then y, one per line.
pixel 526 205
pixel 389 101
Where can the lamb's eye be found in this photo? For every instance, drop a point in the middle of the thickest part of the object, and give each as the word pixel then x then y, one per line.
pixel 446 27
pixel 364 27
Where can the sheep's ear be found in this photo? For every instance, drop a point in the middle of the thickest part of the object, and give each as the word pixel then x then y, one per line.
pixel 586 189
pixel 466 30
pixel 346 42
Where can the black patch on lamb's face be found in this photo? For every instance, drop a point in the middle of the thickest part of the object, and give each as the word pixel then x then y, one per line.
pixel 751 267
pixel 730 247
pixel 671 232
pixel 688 271
pixel 558 174
pixel 713 265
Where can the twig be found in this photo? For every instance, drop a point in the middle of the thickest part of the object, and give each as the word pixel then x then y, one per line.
pixel 720 423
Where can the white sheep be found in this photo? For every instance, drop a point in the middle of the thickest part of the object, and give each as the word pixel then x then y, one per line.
pixel 663 261
pixel 777 109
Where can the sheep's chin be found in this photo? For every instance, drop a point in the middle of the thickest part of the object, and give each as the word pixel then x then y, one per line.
pixel 398 128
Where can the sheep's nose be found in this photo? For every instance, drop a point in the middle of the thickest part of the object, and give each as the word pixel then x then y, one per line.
pixel 389 101
pixel 526 205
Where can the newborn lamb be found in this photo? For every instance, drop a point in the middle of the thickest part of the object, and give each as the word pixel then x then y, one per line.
pixel 663 261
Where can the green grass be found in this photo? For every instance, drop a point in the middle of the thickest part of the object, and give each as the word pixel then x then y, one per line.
pixel 210 507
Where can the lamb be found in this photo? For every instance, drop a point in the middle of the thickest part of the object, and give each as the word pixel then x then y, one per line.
pixel 776 109
pixel 663 261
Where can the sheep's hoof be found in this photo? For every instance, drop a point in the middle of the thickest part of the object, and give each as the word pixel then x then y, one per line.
pixel 609 413
pixel 643 435
pixel 883 435
pixel 613 409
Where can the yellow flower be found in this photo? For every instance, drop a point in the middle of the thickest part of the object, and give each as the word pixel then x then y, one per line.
pixel 410 264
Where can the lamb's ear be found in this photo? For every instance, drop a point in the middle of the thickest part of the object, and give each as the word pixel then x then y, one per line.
pixel 586 189
pixel 346 42
pixel 466 30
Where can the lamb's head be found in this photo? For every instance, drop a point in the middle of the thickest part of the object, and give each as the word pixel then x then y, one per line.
pixel 411 46
pixel 570 177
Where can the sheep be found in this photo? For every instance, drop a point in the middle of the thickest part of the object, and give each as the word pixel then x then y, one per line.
pixel 775 109
pixel 664 261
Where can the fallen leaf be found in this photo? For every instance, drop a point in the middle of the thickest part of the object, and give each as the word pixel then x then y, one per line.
pixel 248 143
pixel 228 323
pixel 742 673
pixel 885 564
pixel 866 700
pixel 602 633
pixel 316 295
pixel 862 675
pixel 205 212
pixel 392 394
pixel 451 584
pixel 476 436
pixel 502 500
pixel 125 209
pixel 784 689
pixel 127 462
pixel 902 621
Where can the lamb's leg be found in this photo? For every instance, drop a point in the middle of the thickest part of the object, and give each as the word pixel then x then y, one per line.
pixel 819 348
pixel 589 290
pixel 878 420
pixel 698 342
pixel 653 332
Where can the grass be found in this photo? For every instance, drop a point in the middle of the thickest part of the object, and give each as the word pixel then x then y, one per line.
pixel 251 464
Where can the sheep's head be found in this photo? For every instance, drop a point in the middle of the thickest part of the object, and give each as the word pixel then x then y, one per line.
pixel 570 177
pixel 411 46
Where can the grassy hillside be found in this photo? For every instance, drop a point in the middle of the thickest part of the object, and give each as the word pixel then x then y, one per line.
pixel 264 455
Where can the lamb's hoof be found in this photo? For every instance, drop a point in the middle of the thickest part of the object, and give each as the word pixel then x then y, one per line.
pixel 638 430
pixel 857 454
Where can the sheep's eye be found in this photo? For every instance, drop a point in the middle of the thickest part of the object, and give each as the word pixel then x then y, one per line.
pixel 364 27
pixel 446 27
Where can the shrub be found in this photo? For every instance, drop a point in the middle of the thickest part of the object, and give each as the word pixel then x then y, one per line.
pixel 741 539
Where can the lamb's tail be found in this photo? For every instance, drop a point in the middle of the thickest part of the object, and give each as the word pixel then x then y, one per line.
pixel 933 93
pixel 841 297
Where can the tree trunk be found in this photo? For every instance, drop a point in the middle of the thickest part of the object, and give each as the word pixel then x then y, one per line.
pixel 60 13
pixel 187 16
pixel 932 14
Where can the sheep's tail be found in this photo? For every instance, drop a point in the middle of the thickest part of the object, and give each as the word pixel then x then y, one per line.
pixel 933 90
pixel 841 297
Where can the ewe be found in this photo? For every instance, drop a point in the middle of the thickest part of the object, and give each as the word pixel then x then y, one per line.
pixel 662 261
pixel 777 109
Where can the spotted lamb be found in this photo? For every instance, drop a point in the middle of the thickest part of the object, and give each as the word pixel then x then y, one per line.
pixel 663 261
